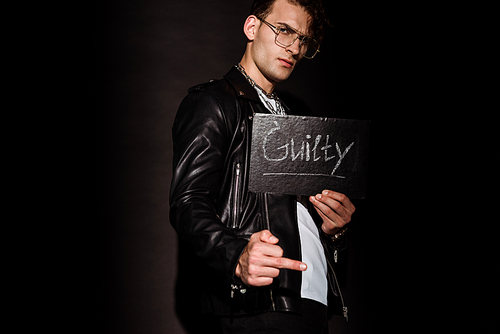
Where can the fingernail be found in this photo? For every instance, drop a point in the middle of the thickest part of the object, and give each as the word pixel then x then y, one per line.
pixel 325 192
pixel 318 196
pixel 303 266
pixel 273 239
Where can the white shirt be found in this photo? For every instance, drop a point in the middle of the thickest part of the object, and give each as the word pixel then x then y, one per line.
pixel 314 282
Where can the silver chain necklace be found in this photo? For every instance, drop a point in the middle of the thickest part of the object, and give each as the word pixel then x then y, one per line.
pixel 265 97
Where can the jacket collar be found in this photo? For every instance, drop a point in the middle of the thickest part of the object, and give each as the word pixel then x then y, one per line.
pixel 241 84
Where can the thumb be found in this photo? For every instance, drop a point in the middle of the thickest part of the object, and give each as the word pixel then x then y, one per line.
pixel 267 236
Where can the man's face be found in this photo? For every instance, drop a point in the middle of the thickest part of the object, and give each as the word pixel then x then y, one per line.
pixel 274 62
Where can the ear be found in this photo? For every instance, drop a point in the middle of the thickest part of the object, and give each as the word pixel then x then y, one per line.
pixel 251 26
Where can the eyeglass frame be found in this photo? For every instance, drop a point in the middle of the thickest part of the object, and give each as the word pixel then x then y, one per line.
pixel 299 36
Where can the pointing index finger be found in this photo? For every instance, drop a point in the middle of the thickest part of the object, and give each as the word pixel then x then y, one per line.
pixel 285 263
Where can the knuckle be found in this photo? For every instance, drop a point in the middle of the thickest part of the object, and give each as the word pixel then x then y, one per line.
pixel 259 281
pixel 256 247
pixel 251 281
pixel 265 234
pixel 266 281
pixel 252 271
pixel 329 212
pixel 280 252
pixel 340 223
pixel 253 260
pixel 342 197
pixel 336 205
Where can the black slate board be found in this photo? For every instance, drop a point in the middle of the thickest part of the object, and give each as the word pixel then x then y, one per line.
pixel 299 155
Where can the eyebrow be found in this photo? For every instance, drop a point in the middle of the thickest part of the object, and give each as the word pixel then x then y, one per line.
pixel 297 30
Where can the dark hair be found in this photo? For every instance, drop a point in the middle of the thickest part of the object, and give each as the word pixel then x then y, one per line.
pixel 317 24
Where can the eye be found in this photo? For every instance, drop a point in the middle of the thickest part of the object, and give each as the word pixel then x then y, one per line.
pixel 304 40
pixel 284 30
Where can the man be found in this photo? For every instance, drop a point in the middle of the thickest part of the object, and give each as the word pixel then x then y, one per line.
pixel 264 261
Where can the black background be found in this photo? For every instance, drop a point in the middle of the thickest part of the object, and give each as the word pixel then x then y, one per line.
pixel 147 54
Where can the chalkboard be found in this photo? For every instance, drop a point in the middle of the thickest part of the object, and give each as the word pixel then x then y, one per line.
pixel 305 155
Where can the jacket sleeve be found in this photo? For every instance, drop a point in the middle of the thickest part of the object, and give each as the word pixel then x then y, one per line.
pixel 201 141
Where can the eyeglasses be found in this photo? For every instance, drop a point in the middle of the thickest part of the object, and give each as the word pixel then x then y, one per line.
pixel 286 36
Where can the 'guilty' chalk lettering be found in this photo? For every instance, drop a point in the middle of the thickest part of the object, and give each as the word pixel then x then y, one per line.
pixel 303 151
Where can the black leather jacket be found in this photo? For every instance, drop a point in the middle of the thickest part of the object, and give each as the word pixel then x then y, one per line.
pixel 214 213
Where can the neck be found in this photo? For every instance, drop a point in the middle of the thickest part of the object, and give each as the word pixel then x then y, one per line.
pixel 256 75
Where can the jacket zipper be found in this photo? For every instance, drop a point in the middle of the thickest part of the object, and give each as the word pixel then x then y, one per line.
pixel 344 308
pixel 272 299
pixel 236 198
pixel 268 226
pixel 236 210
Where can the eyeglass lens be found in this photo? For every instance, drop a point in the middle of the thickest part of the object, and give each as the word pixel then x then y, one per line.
pixel 287 37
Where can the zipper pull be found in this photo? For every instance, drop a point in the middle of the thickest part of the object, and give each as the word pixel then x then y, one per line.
pixel 233 287
pixel 344 309
pixel 335 255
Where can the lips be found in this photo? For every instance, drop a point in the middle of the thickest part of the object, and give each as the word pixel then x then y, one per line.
pixel 287 63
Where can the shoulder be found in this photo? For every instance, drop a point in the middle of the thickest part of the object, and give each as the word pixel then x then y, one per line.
pixel 201 87
pixel 204 95
pixel 215 94
pixel 217 88
pixel 207 104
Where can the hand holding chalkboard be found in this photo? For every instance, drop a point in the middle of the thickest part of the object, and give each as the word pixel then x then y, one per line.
pixel 334 208
pixel 304 155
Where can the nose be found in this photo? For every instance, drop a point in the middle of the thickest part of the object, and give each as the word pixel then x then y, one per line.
pixel 294 49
